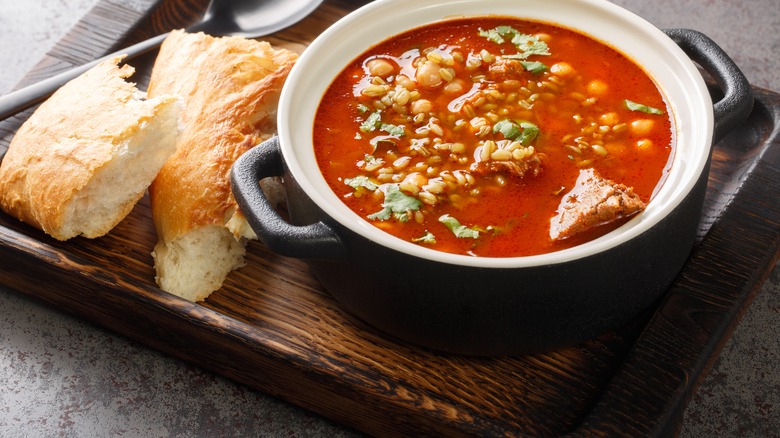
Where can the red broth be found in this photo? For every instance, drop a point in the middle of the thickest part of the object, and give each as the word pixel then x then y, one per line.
pixel 463 136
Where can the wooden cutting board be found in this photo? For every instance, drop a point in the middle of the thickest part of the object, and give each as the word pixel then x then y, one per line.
pixel 273 328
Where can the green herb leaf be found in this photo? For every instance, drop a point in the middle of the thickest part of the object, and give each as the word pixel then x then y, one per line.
pixel 372 122
pixel 396 201
pixel 428 238
pixel 394 130
pixel 534 67
pixel 381 215
pixel 493 34
pixel 361 181
pixel 528 45
pixel 508 128
pixel 530 132
pixel 523 131
pixel 460 231
pixel 370 160
pixel 382 140
pixel 633 106
pixel 401 217
pixel 362 108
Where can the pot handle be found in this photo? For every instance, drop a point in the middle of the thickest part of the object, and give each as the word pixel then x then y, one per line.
pixel 737 101
pixel 315 241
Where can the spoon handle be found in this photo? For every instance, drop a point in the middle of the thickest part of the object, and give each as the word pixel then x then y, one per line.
pixel 24 98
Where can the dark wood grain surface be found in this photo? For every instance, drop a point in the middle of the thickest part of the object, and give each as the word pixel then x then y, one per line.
pixel 273 328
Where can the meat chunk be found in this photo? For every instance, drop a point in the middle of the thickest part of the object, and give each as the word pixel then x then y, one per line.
pixel 593 201
pixel 503 69
pixel 509 157
pixel 518 169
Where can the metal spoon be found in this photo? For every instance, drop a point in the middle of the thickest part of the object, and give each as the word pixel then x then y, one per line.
pixel 247 18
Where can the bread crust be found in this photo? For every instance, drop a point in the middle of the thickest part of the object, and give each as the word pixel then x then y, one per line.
pixel 230 87
pixel 67 140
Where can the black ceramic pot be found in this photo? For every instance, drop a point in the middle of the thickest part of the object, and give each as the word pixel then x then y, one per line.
pixel 494 306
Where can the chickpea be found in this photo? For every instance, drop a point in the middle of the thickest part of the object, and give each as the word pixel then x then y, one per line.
pixel 543 37
pixel 561 69
pixel 597 87
pixel 421 106
pixel 644 144
pixel 427 74
pixel 380 67
pixel 473 62
pixel 615 147
pixel 405 82
pixel 610 119
pixel 455 87
pixel 642 126
pixel 413 182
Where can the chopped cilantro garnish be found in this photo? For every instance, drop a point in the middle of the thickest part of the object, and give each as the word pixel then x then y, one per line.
pixel 495 34
pixel 394 130
pixel 372 122
pixel 534 67
pixel 530 132
pixel 381 215
pixel 396 202
pixel 370 160
pixel 401 217
pixel 508 128
pixel 360 181
pixel 382 140
pixel 523 131
pixel 633 106
pixel 457 228
pixel 530 45
pixel 527 44
pixel 428 238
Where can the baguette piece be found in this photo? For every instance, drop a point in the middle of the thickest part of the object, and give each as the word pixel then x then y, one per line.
pixel 85 157
pixel 230 87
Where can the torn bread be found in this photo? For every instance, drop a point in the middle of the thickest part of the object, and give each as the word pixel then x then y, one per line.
pixel 85 157
pixel 230 88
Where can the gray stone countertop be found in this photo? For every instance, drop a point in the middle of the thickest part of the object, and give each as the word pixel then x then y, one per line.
pixel 60 376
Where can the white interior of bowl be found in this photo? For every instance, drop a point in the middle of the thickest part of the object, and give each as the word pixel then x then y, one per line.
pixel 664 61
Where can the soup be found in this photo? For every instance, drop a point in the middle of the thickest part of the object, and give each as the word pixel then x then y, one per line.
pixel 486 137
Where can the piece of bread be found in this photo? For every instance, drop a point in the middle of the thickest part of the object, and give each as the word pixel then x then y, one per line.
pixel 230 88
pixel 85 157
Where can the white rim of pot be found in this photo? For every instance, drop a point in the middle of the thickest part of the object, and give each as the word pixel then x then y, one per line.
pixel 673 71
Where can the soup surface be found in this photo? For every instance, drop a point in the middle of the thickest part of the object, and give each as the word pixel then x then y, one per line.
pixel 468 136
